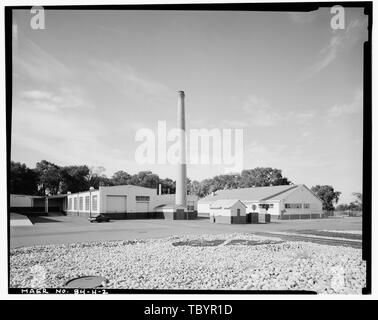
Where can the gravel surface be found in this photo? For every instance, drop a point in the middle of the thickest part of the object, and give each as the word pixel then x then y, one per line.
pixel 229 261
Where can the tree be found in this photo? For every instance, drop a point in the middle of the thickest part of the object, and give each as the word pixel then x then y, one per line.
pixel 74 179
pixel 194 187
pixel 167 186
pixel 358 201
pixel 49 177
pixel 145 179
pixel 206 188
pixel 342 207
pixel 97 178
pixel 121 178
pixel 262 177
pixel 328 196
pixel 22 179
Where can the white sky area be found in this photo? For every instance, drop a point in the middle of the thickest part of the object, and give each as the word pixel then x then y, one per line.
pixel 85 84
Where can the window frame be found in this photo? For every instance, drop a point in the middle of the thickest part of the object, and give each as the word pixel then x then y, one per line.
pixel 142 198
pixel 81 203
pixel 94 202
pixel 87 201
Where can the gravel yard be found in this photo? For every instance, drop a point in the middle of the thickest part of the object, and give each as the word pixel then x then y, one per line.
pixel 222 261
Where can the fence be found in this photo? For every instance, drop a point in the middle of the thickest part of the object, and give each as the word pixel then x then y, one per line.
pixel 349 213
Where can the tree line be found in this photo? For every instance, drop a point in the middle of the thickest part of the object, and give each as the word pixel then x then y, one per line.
pixel 355 205
pixel 48 178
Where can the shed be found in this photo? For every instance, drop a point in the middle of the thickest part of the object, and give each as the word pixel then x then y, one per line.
pixel 231 211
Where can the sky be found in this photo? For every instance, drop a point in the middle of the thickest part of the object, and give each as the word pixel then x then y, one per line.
pixel 85 84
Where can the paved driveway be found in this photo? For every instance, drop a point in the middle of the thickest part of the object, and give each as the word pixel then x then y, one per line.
pixel 65 229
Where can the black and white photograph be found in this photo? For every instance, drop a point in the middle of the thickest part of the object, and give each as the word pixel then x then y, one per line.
pixel 189 148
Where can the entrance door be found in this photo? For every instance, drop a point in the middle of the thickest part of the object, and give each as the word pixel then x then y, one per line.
pixel 116 204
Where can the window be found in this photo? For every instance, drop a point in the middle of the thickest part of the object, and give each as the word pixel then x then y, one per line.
pixel 142 198
pixel 81 203
pixel 75 203
pixel 293 205
pixel 263 205
pixel 87 203
pixel 306 205
pixel 190 205
pixel 238 212
pixel 70 204
pixel 94 203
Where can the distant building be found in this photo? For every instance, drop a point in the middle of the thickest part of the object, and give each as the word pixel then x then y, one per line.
pixel 281 202
pixel 228 211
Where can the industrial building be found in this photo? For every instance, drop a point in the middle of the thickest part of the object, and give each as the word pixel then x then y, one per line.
pixel 128 202
pixel 281 202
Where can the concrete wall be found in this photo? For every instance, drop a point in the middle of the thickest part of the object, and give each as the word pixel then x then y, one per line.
pixel 17 200
pixel 130 192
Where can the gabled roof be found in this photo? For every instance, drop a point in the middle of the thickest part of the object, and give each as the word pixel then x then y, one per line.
pixel 225 203
pixel 251 194
pixel 128 186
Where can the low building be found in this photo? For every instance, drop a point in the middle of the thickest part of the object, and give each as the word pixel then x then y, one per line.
pixel 37 205
pixel 230 211
pixel 126 202
pixel 281 202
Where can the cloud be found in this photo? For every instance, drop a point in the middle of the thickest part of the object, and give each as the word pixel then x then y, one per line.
pixel 236 123
pixel 283 156
pixel 36 64
pixel 262 114
pixel 127 80
pixel 354 107
pixel 339 40
pixel 64 98
pixel 71 140
pixel 305 117
pixel 259 113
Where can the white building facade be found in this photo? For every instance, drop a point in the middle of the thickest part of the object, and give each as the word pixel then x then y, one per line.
pixel 121 201
pixel 230 211
pixel 281 202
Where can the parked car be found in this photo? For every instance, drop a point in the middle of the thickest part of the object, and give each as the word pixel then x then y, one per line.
pixel 99 218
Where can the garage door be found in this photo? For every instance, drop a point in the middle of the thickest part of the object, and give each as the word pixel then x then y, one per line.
pixel 142 206
pixel 116 204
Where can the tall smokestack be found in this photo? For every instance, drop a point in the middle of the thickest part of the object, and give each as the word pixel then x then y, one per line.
pixel 181 174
